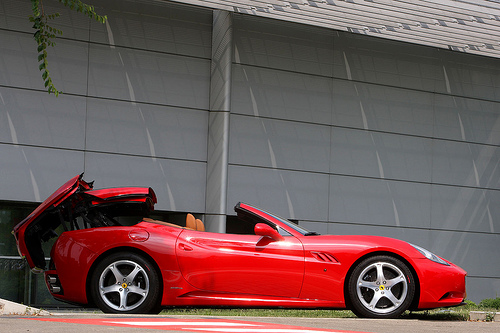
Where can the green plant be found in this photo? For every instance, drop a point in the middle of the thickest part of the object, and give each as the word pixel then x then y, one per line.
pixel 470 303
pixel 45 33
pixel 490 303
pixel 490 316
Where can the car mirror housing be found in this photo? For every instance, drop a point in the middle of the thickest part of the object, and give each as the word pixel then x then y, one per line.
pixel 262 229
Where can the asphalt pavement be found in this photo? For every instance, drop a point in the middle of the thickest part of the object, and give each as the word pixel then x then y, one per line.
pixel 64 322
pixel 16 317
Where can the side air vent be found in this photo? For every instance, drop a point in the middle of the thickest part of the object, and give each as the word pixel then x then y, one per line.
pixel 323 256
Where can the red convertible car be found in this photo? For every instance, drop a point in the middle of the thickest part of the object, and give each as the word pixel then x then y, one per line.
pixel 109 255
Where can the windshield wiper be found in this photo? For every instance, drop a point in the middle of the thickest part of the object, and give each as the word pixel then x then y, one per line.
pixel 312 233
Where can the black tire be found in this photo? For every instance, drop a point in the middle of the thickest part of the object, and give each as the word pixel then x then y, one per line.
pixel 126 283
pixel 381 287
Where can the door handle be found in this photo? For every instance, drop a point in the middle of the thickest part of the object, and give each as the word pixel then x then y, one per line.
pixel 185 247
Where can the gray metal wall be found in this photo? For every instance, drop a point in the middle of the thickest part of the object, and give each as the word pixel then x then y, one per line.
pixel 134 109
pixel 346 133
pixel 360 135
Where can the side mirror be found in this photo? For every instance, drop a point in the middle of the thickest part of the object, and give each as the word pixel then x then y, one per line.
pixel 262 229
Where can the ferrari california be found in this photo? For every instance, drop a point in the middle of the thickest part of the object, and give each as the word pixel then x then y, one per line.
pixel 105 251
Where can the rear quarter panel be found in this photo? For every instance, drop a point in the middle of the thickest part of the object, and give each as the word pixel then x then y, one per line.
pixel 76 253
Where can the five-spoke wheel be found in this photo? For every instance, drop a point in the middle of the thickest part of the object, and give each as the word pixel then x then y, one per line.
pixel 381 287
pixel 125 283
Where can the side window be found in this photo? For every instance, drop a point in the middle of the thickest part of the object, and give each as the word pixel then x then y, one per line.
pixel 240 225
pixel 283 232
pixel 245 224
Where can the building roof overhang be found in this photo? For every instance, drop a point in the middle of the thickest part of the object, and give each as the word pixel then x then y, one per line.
pixel 470 26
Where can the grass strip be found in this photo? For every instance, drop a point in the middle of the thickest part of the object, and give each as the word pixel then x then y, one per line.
pixel 460 313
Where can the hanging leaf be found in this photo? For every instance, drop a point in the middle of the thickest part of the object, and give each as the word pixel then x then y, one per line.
pixel 45 34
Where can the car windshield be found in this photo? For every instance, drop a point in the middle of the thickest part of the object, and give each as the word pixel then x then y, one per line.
pixel 294 226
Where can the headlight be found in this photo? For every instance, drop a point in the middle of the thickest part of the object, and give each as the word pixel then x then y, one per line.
pixel 429 255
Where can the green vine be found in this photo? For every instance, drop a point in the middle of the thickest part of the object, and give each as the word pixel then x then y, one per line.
pixel 45 34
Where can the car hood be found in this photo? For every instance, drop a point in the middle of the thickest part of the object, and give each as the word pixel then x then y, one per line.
pixel 362 245
pixel 360 241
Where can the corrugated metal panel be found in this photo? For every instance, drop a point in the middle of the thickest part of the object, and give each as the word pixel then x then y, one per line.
pixel 471 26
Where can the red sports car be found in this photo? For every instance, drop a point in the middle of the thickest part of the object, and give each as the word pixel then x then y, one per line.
pixel 109 255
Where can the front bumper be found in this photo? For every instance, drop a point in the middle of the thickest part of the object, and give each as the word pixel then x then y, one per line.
pixel 440 285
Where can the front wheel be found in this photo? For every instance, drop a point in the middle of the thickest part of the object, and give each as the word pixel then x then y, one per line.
pixel 381 287
pixel 125 283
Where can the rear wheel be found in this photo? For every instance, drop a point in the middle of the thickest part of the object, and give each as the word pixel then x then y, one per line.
pixel 381 287
pixel 126 283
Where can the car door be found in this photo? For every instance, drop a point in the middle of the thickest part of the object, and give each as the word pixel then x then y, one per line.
pixel 243 264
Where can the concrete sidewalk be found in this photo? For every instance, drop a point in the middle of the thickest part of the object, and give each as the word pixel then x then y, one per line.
pixel 11 308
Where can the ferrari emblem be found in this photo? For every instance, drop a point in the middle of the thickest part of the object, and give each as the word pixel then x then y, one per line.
pixel 124 285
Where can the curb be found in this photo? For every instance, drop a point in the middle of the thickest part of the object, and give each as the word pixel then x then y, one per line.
pixel 484 316
pixel 11 308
